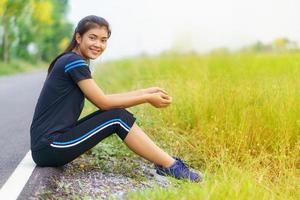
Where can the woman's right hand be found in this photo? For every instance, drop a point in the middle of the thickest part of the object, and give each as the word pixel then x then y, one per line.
pixel 159 99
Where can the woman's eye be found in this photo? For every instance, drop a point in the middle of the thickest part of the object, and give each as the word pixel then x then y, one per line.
pixel 92 38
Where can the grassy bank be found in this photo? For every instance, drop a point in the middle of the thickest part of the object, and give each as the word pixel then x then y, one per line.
pixel 235 117
pixel 20 66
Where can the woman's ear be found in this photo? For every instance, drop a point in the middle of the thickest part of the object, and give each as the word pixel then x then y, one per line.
pixel 78 38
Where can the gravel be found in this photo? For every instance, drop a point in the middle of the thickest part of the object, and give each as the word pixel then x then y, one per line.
pixel 80 180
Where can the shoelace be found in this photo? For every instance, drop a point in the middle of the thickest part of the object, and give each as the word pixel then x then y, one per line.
pixel 182 161
pixel 185 170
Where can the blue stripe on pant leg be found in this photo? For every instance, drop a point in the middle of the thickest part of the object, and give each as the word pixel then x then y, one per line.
pixel 113 121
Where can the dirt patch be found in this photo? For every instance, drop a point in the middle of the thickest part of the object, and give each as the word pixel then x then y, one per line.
pixel 80 179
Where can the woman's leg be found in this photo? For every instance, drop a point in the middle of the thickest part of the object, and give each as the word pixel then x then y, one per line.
pixel 92 129
pixel 88 132
pixel 142 145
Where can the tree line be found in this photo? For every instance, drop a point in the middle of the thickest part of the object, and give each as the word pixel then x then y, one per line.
pixel 35 30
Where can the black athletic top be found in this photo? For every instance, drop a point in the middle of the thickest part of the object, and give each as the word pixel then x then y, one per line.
pixel 61 101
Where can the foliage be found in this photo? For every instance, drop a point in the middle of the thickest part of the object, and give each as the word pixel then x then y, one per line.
pixel 280 44
pixel 33 30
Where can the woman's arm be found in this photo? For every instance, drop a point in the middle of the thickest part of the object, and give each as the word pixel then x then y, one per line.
pixel 134 93
pixel 139 92
pixel 123 100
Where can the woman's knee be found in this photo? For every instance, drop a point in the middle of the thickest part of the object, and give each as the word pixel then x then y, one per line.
pixel 125 119
pixel 120 111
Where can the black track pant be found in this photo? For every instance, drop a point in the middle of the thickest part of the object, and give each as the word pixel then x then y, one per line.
pixel 88 132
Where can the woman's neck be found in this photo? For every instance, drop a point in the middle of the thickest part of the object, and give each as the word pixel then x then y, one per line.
pixel 77 51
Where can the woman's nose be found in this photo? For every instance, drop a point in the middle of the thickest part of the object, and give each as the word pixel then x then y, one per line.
pixel 100 44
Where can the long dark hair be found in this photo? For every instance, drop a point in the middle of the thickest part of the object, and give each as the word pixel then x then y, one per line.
pixel 83 26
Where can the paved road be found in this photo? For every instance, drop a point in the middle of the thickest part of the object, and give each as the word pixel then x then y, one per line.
pixel 18 96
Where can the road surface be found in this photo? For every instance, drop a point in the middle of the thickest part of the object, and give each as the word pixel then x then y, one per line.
pixel 18 97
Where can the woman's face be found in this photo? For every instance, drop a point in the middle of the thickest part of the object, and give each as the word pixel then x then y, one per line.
pixel 92 43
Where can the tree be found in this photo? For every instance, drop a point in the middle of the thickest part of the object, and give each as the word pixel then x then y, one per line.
pixel 280 43
pixel 10 10
pixel 52 28
pixel 33 23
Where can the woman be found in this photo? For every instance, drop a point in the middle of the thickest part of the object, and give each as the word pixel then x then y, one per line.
pixel 58 138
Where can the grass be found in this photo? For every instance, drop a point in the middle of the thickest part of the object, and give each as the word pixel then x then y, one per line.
pixel 20 66
pixel 236 117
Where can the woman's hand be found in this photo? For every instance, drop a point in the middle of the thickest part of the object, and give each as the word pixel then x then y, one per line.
pixel 151 90
pixel 159 99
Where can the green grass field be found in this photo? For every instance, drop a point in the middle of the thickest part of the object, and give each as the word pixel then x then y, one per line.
pixel 17 66
pixel 235 117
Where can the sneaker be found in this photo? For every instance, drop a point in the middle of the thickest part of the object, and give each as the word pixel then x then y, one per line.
pixel 178 170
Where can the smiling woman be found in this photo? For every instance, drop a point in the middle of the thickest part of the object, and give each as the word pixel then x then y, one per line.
pixel 57 137
pixel 91 33
pixel 93 42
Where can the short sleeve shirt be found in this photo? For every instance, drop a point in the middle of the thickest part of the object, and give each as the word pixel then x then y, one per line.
pixel 61 101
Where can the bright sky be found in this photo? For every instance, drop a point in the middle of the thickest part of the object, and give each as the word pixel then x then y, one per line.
pixel 152 26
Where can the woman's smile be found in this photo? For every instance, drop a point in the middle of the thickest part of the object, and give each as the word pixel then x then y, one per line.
pixel 95 51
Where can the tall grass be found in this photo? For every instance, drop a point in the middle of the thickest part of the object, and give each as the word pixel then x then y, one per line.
pixel 236 117
pixel 17 66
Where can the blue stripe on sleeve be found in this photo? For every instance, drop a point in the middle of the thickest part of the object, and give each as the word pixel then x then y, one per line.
pixel 77 65
pixel 74 62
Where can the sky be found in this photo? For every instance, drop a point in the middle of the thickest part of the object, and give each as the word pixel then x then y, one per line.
pixel 153 26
